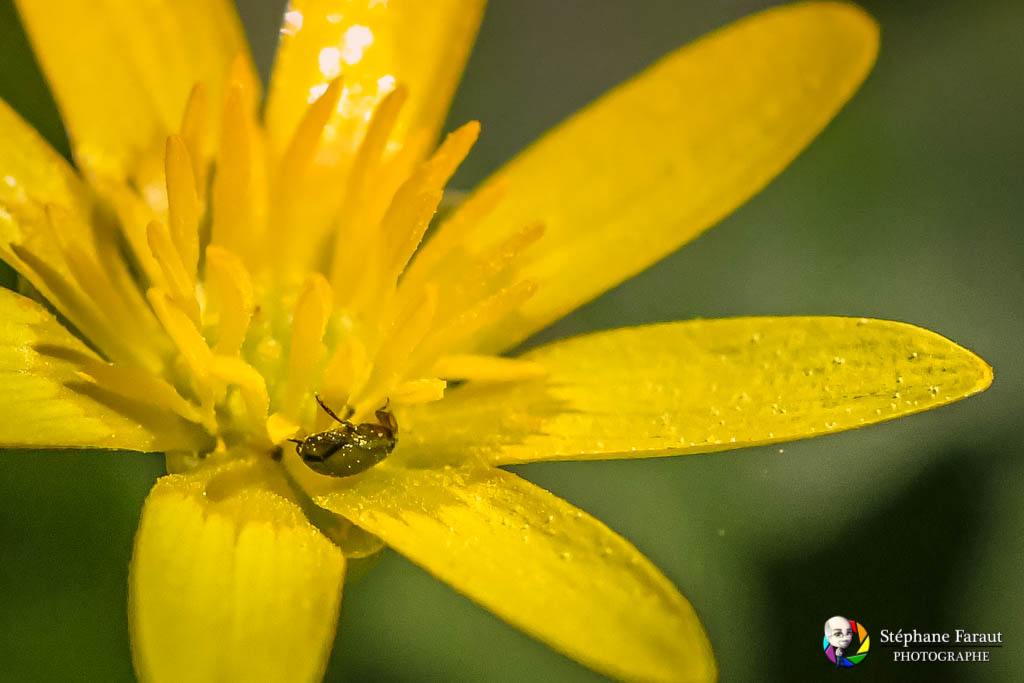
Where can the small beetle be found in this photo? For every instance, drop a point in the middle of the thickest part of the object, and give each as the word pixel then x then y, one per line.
pixel 349 448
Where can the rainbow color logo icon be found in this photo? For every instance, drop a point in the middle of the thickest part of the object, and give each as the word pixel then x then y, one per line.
pixel 846 642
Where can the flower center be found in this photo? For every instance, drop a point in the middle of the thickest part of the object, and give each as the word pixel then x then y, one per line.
pixel 237 282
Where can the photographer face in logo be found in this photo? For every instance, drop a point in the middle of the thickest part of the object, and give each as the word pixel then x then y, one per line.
pixel 846 642
pixel 839 632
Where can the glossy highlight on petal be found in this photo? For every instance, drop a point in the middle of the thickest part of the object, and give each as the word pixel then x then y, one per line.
pixel 373 47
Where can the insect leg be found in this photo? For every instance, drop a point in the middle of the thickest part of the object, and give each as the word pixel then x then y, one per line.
pixel 348 410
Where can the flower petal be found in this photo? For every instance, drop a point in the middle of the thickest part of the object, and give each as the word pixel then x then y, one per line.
pixel 697 387
pixel 46 403
pixel 230 582
pixel 661 158
pixel 121 72
pixel 373 47
pixel 537 562
pixel 32 170
pixel 32 176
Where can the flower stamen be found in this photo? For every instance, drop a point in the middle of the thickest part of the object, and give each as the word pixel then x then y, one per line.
pixel 183 207
pixel 309 322
pixel 229 300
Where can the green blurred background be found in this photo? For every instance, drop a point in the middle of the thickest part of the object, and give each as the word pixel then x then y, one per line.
pixel 908 207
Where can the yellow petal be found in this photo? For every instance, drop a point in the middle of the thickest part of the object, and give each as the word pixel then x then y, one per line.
pixel 537 562
pixel 697 387
pixel 486 368
pixel 230 582
pixel 373 47
pixel 664 156
pixel 32 176
pixel 121 72
pixel 45 402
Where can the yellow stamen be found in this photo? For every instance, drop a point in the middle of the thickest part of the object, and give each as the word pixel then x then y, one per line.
pixel 238 197
pixel 113 301
pixel 451 232
pixel 409 329
pixel 447 337
pixel 278 428
pixel 452 152
pixel 141 386
pixel 371 151
pixel 402 240
pixel 182 204
pixel 232 296
pixel 233 370
pixel 180 285
pixel 402 229
pixel 346 370
pixel 308 325
pixel 299 222
pixel 495 269
pixel 186 338
pixel 423 390
pixel 404 224
pixel 302 147
pixel 194 135
pixel 133 216
pixel 365 202
pixel 109 258
pixel 71 302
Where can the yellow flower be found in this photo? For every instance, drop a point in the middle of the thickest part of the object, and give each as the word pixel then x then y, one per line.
pixel 206 271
